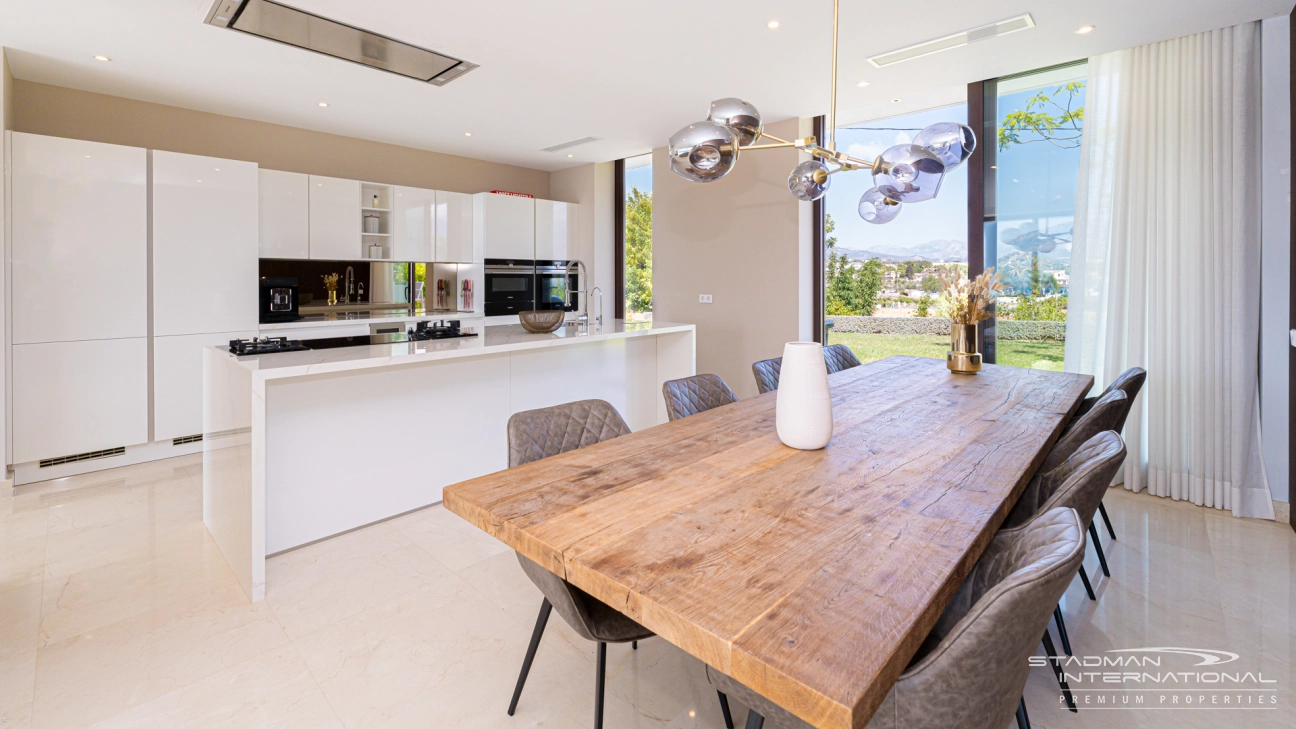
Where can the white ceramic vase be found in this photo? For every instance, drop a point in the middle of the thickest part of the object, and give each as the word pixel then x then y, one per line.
pixel 803 410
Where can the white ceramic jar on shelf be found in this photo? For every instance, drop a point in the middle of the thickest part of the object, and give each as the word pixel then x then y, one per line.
pixel 803 409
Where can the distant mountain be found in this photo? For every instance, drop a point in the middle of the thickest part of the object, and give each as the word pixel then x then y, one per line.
pixel 935 250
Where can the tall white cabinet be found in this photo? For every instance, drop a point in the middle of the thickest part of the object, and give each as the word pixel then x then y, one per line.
pixel 555 230
pixel 334 218
pixel 79 264
pixel 205 247
pixel 506 224
pixel 454 228
pixel 284 214
pixel 414 219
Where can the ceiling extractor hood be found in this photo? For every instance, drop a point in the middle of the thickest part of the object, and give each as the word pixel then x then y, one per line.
pixel 276 22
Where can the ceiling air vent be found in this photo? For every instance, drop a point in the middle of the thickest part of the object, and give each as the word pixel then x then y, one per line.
pixel 994 30
pixel 300 29
pixel 569 145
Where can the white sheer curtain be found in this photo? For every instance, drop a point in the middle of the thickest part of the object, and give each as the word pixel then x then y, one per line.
pixel 1166 260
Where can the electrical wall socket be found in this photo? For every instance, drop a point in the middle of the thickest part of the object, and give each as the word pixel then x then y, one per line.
pixel 704 298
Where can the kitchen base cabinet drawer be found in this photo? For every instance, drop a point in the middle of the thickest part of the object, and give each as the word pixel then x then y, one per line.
pixel 76 397
pixel 178 382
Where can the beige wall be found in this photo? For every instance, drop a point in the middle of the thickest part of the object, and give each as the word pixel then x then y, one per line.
pixel 6 123
pixel 591 186
pixel 738 239
pixel 61 112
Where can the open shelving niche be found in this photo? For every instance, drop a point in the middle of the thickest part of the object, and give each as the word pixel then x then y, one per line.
pixel 376 203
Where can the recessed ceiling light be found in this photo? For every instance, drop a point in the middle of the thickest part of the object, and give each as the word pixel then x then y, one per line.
pixel 217 169
pixel 467 134
pixel 895 101
pixel 323 103
pixel 1084 30
pixel 102 58
pixel 87 156
pixel 862 84
pixel 773 24
pixel 571 155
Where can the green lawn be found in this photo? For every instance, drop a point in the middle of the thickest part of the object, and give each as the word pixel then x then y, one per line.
pixel 871 347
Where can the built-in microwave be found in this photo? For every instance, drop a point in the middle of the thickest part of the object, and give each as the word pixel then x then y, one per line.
pixel 557 285
pixel 278 299
pixel 510 286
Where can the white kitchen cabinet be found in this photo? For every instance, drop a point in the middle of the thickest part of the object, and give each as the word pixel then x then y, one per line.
pixel 284 215
pixel 204 244
pixel 334 219
pixel 414 214
pixel 507 225
pixel 178 381
pixel 76 397
pixel 555 233
pixel 79 213
pixel 454 229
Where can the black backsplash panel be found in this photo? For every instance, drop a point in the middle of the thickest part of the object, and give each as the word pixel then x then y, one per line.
pixel 310 276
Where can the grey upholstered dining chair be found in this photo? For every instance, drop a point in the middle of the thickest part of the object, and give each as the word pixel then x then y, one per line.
pixel 1129 382
pixel 1107 413
pixel 839 357
pixel 537 434
pixel 1079 483
pixel 692 395
pixel 970 670
pixel 767 374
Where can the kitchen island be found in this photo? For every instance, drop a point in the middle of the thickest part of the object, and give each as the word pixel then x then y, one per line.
pixel 300 446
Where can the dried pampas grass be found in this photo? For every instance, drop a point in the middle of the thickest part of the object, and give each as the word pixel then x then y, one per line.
pixel 968 301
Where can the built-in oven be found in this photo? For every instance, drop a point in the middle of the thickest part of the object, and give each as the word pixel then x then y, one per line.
pixel 557 285
pixel 510 286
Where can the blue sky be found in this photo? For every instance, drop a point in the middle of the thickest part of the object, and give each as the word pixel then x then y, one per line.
pixel 640 177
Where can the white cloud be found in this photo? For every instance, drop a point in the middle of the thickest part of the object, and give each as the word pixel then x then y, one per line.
pixel 864 151
pixel 903 138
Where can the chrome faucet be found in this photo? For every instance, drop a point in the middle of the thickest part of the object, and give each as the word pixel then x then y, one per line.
pixel 599 306
pixel 350 285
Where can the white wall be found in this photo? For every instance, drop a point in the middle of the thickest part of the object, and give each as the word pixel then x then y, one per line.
pixel 6 124
pixel 1275 282
pixel 591 186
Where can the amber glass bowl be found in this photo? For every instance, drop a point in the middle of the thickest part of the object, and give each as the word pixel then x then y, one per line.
pixel 541 322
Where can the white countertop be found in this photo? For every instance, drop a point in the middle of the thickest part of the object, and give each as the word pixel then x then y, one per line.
pixel 343 318
pixel 490 340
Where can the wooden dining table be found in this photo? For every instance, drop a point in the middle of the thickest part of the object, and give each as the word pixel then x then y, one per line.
pixel 811 577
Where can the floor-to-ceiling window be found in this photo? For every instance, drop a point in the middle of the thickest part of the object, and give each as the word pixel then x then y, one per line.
pixel 1039 118
pixel 881 291
pixel 636 234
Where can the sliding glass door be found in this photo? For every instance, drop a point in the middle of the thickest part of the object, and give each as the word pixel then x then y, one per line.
pixel 881 291
pixel 1032 164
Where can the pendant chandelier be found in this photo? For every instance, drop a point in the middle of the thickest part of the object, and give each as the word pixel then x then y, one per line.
pixel 708 150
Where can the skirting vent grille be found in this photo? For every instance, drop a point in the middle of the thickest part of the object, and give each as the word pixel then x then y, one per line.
pixel 87 456
pixel 186 439
pixel 994 30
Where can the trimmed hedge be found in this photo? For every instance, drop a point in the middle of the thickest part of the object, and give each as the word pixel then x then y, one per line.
pixel 1048 331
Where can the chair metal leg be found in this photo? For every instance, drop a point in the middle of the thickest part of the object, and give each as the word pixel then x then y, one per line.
pixel 1102 558
pixel 724 709
pixel 1023 721
pixel 1106 520
pixel 1061 627
pixel 541 620
pixel 1084 577
pixel 1051 652
pixel 754 720
pixel 598 685
pixel 634 645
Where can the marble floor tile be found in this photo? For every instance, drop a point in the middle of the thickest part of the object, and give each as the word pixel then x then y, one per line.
pixel 320 584
pixel 452 541
pixel 274 689
pixel 101 673
pixel 117 610
pixel 183 564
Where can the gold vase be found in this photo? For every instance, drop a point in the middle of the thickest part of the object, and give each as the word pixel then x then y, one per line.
pixel 964 357
pixel 332 300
